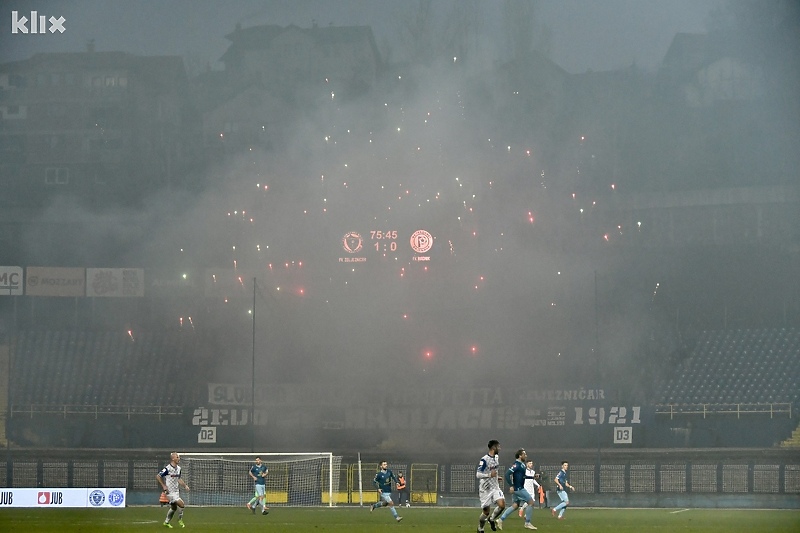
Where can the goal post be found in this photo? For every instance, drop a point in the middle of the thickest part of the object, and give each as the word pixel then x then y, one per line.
pixel 294 479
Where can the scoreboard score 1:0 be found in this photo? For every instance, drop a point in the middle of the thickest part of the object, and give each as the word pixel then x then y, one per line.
pixel 384 243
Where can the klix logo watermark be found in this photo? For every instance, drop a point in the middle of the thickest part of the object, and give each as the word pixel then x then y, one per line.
pixel 38 23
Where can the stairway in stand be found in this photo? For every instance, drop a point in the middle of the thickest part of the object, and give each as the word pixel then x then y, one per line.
pixel 4 377
pixel 794 440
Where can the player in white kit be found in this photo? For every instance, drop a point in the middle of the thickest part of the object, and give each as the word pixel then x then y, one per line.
pixel 531 485
pixel 170 480
pixel 489 487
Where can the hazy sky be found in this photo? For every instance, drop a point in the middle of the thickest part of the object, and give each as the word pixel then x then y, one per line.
pixel 585 34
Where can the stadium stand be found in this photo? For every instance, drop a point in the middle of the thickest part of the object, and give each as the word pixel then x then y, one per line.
pixel 742 366
pixel 107 369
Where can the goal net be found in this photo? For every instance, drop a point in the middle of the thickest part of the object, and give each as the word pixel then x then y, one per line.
pixel 222 479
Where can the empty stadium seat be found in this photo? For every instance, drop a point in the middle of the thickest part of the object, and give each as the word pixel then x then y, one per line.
pixel 738 366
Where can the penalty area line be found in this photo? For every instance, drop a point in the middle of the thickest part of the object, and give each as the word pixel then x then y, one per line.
pixel 679 511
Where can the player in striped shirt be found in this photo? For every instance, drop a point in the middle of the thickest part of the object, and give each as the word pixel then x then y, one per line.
pixel 489 487
pixel 170 480
pixel 531 485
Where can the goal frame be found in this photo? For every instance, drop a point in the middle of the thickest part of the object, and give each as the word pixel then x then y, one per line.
pixel 265 457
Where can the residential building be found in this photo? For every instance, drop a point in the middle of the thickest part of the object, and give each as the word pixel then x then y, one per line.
pixel 273 74
pixel 106 127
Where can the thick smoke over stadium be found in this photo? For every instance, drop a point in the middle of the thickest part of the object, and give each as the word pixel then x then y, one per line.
pixel 410 158
pixel 555 201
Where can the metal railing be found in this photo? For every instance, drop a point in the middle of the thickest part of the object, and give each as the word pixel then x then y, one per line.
pixel 96 411
pixel 738 409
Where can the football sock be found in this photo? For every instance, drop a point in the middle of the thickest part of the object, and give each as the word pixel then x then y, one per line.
pixel 510 509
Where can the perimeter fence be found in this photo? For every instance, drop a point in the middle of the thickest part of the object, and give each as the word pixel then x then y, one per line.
pixel 651 478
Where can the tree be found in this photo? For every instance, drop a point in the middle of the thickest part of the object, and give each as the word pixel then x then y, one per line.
pixel 419 31
pixel 765 34
pixel 521 29
pixel 437 32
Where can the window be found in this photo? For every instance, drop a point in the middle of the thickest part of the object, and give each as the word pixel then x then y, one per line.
pixel 13 111
pixel 56 176
pixel 53 141
pixel 12 143
pixel 96 145
pixel 55 109
pixel 16 80
pixel 105 117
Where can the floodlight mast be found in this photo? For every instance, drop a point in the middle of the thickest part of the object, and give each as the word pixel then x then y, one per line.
pixel 253 377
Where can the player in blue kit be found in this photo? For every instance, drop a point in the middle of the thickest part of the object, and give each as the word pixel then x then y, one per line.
pixel 515 479
pixel 562 489
pixel 383 482
pixel 259 473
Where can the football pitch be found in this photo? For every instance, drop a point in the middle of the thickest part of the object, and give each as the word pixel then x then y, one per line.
pixel 418 520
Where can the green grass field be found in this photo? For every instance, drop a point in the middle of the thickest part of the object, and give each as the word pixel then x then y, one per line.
pixel 418 520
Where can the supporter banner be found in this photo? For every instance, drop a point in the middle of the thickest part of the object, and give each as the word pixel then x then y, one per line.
pixel 10 281
pixel 424 418
pixel 420 409
pixel 51 498
pixel 322 395
pixel 451 408
pixel 55 281
pixel 115 282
